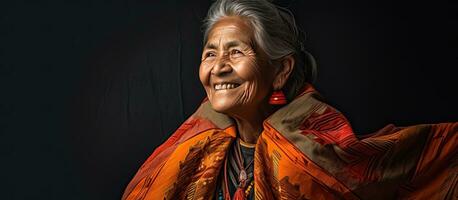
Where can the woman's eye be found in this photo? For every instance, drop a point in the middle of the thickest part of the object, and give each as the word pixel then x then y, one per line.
pixel 210 55
pixel 236 53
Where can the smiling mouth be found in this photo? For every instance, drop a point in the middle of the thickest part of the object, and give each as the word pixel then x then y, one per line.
pixel 225 86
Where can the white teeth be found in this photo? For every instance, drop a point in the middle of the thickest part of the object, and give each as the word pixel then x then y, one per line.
pixel 225 86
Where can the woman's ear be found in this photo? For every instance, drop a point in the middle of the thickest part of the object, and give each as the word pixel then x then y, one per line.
pixel 285 69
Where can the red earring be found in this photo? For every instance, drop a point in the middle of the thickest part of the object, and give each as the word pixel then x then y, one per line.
pixel 277 98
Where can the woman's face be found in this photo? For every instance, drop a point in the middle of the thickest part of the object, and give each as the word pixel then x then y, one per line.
pixel 235 75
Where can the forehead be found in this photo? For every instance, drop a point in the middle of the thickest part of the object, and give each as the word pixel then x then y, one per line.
pixel 230 28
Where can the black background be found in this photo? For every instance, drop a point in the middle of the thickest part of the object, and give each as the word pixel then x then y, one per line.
pixel 90 88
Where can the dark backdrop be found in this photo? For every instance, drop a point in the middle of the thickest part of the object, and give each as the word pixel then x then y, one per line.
pixel 89 89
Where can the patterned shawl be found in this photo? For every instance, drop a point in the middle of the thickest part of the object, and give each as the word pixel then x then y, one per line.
pixel 307 150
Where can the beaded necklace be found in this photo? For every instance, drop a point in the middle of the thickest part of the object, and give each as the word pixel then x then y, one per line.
pixel 245 183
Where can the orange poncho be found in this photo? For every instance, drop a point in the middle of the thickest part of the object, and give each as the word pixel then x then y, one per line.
pixel 307 150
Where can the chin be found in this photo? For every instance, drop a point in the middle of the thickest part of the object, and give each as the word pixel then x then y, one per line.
pixel 222 106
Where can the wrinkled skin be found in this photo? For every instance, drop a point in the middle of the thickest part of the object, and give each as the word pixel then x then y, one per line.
pixel 237 76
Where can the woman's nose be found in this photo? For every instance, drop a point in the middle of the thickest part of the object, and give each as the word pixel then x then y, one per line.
pixel 221 67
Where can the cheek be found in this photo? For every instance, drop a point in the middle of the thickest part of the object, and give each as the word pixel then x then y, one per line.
pixel 247 69
pixel 204 73
pixel 258 81
pixel 255 73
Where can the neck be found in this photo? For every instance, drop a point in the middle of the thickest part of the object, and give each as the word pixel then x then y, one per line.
pixel 249 125
pixel 249 131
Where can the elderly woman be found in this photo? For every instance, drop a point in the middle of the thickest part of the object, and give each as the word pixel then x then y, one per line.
pixel 264 133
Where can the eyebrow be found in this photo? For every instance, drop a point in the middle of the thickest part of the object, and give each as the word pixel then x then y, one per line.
pixel 228 45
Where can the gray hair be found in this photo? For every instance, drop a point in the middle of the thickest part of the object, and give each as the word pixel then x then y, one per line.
pixel 275 32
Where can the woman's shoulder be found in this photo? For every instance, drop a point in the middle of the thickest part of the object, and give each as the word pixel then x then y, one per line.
pixel 200 122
